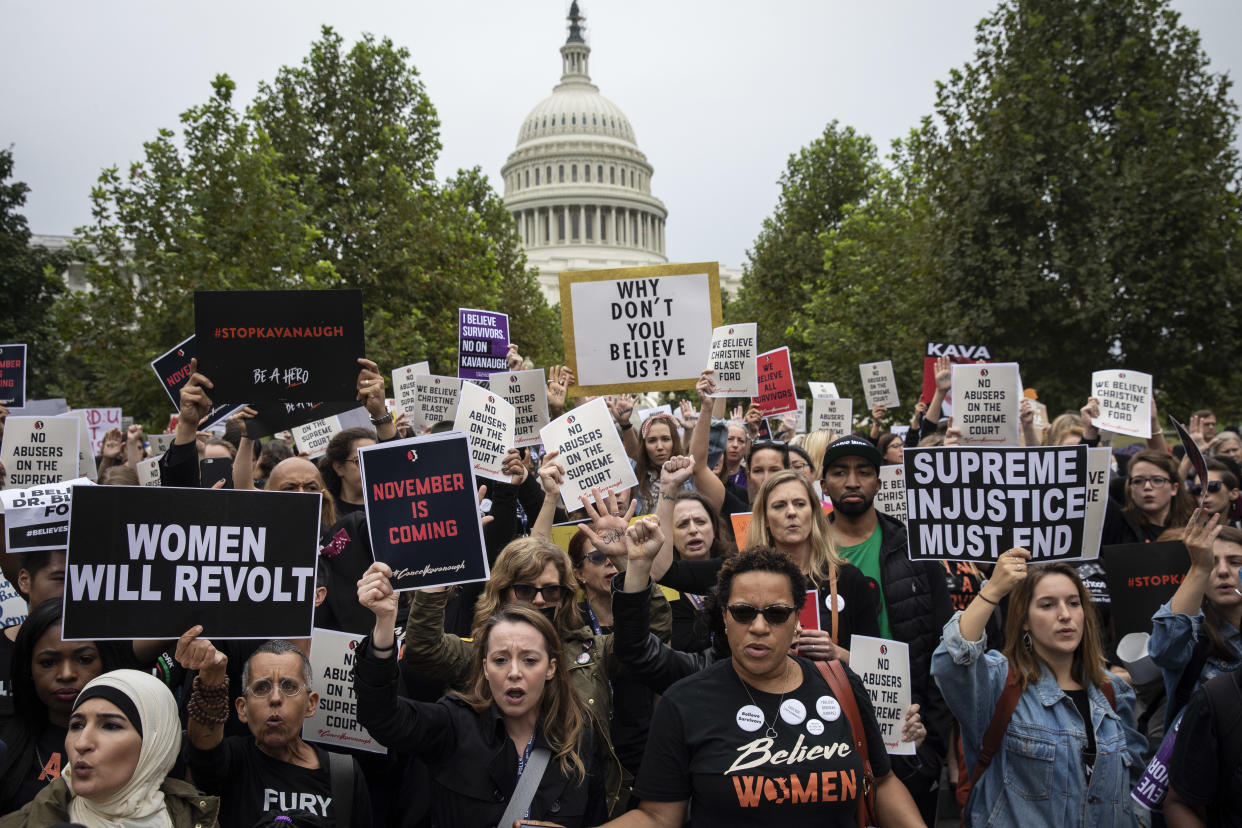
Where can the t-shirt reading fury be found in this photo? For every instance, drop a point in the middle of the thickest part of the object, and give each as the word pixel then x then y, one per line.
pixel 709 745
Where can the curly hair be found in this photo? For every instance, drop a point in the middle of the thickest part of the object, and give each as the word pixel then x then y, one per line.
pixel 522 561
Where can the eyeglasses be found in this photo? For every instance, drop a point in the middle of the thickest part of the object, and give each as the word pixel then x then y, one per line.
pixel 798 465
pixel 1156 482
pixel 774 614
pixel 552 593
pixel 596 557
pixel 1213 487
pixel 262 688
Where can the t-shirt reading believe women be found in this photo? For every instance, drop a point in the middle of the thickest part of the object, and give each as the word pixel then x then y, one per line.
pixel 711 744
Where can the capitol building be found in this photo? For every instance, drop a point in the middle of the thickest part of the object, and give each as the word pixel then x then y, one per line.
pixel 578 186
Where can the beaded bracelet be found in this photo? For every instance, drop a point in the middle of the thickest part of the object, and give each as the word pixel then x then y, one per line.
pixel 209 705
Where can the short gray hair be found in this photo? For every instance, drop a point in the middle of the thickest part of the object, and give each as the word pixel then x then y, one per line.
pixel 279 646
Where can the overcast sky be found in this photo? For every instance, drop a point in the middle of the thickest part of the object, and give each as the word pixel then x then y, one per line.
pixel 719 93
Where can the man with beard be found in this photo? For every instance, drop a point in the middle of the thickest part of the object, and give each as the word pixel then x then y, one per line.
pixel 914 602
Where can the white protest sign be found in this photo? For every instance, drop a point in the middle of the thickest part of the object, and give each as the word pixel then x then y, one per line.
pixel 435 400
pixel 833 414
pixel 884 667
pixel 900 430
pixel 527 392
pixel 160 443
pixel 823 390
pixel 12 605
pixel 988 396
pixel 404 382
pixel 487 419
pixel 1125 402
pixel 591 452
pixel 38 517
pixel 1099 469
pixel 336 719
pixel 86 457
pixel 149 471
pixel 645 413
pixel 733 358
pixel 879 384
pixel 312 438
pixel 99 421
pixel 641 328
pixel 891 498
pixel 40 450
pixel 800 422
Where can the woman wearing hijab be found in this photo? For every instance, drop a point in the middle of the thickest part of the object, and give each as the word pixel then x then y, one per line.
pixel 124 736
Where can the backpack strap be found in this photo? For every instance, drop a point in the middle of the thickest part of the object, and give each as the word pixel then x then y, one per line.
pixel 1224 701
pixel 1110 693
pixel 341 775
pixel 997 727
pixel 839 684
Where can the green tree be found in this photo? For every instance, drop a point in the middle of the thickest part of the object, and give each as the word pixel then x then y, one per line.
pixel 29 281
pixel 1084 179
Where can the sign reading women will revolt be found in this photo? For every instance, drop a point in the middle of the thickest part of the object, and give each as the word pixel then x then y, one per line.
pixel 639 328
pixel 973 503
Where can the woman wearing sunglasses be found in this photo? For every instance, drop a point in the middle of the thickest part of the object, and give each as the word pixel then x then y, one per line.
pixel 758 737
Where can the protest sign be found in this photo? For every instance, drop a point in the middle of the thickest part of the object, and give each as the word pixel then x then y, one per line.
pixel 86 457
pixel 422 510
pixel 311 439
pixel 159 443
pixel 149 470
pixel 591 452
pixel 639 328
pixel 37 451
pixel 482 343
pixel 435 401
pixel 884 667
pixel 336 719
pixel 275 417
pixel 99 421
pixel 823 390
pixel 1099 469
pixel 487 419
pixel 645 413
pixel 173 370
pixel 879 384
pixel 900 430
pixel 13 375
pixel 1141 577
pixel 741 527
pixel 13 611
pixel 1125 402
pixel 973 503
pixel 809 616
pixel 1039 417
pixel 732 357
pixel 799 418
pixel 958 354
pixel 151 563
pixel 988 397
pixel 776 384
pixel 836 415
pixel 403 385
pixel 40 408
pixel 1192 450
pixel 265 346
pixel 891 498
pixel 38 518
pixel 527 392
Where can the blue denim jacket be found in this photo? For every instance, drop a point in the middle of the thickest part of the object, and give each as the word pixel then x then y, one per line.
pixel 1173 636
pixel 1037 778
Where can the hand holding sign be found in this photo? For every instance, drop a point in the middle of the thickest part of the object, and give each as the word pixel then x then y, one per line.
pixel 1201 534
pixel 375 592
pixel 913 730
pixel 194 404
pixel 551 474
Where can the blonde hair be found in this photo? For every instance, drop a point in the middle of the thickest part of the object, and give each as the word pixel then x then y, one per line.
pixel 815 444
pixel 522 561
pixel 824 560
pixel 1063 426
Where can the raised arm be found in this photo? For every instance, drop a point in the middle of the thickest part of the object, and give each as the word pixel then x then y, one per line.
pixel 551 478
pixel 621 407
pixel 705 481
pixel 944 383
pixel 371 395
pixel 674 472
pixel 243 461
pixel 1201 533
pixel 209 703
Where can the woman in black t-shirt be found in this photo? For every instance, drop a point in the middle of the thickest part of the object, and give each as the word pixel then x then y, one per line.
pixel 759 738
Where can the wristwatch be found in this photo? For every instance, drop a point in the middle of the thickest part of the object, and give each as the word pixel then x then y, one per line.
pixel 388 417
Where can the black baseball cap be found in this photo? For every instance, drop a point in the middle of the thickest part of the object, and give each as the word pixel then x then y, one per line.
pixel 851 445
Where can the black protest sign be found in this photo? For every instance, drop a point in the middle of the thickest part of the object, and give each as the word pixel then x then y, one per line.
pixel 147 562
pixel 1141 577
pixel 273 418
pixel 173 370
pixel 973 503
pixel 37 518
pixel 422 510
pixel 13 375
pixel 280 345
pixel 1192 450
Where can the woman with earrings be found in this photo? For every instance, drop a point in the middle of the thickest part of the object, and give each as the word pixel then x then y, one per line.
pixel 1069 752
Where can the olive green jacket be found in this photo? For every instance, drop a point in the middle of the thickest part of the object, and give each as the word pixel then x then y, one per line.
pixel 187 808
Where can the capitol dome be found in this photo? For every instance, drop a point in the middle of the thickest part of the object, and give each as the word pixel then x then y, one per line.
pixel 577 184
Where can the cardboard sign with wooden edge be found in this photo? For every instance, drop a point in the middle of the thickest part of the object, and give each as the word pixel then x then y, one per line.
pixel 149 470
pixel 972 503
pixel 482 343
pixel 37 451
pixel 1125 402
pixel 891 497
pixel 832 413
pixel 776 383
pixel 266 346
pixel 336 721
pixel 639 328
pixel 732 356
pixel 147 562
pixel 823 390
pixel 404 383
pixel 435 401
pixel 13 375
pixel 487 420
pixel 38 518
pixel 958 354
pixel 884 667
pixel 1141 577
pixel 422 510
pixel 988 398
pixel 591 452
pixel 527 392
pixel 879 384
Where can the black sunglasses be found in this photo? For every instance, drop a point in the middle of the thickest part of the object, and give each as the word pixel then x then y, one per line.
pixel 1213 487
pixel 774 614
pixel 552 593
pixel 596 557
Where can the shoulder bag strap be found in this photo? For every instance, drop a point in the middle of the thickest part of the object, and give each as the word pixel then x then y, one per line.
pixel 341 776
pixel 527 784
pixel 832 591
pixel 841 688
pixel 997 727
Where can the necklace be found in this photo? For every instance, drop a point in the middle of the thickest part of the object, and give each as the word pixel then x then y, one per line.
pixel 771 726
